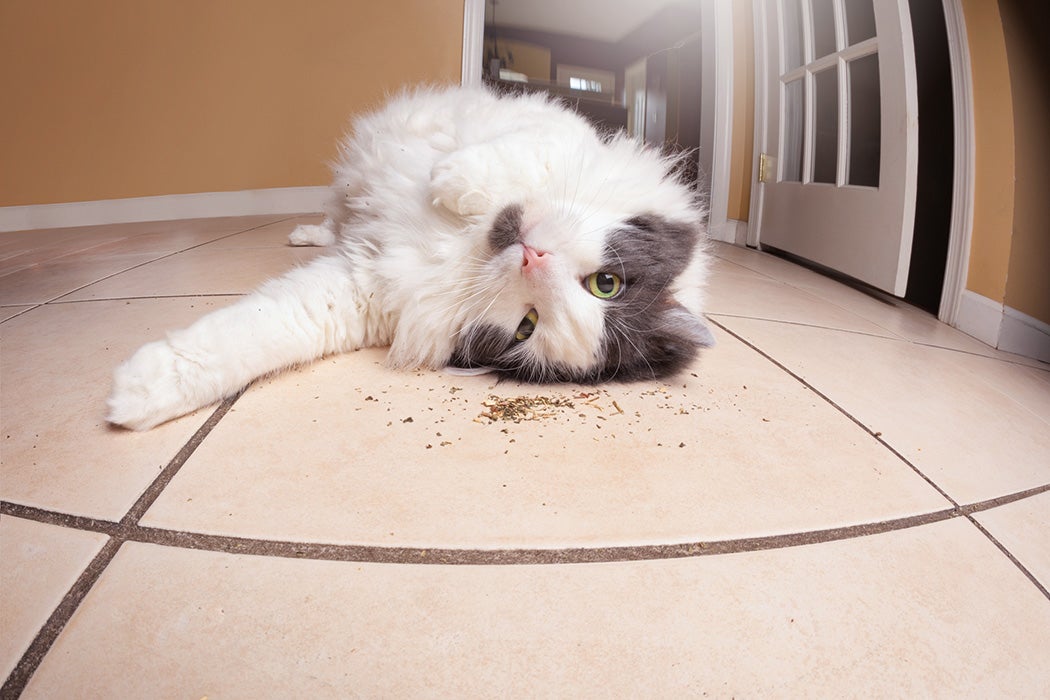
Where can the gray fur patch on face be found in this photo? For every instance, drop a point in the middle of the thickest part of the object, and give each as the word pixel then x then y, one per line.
pixel 647 334
pixel 482 346
pixel 506 228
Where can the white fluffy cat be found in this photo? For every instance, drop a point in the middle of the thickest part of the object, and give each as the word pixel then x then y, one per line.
pixel 472 231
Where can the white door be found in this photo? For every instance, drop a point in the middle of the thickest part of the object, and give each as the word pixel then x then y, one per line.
pixel 841 135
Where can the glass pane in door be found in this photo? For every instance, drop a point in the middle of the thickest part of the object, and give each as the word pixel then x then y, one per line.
pixel 860 20
pixel 792 41
pixel 792 138
pixel 865 130
pixel 826 125
pixel 823 28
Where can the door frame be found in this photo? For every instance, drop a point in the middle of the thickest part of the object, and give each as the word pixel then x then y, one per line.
pixel 716 88
pixel 473 41
pixel 957 263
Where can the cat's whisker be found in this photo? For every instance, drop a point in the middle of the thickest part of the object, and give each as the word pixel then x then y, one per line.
pixel 470 324
pixel 656 297
pixel 639 351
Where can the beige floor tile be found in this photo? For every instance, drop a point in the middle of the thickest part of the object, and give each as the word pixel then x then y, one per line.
pixel 166 237
pixel 346 451
pixel 20 249
pixel 40 564
pixel 1023 527
pixel 757 296
pixel 932 611
pixel 40 266
pixel 894 316
pixel 274 235
pixel 50 280
pixel 1028 386
pixel 202 270
pixel 57 450
pixel 7 312
pixel 968 422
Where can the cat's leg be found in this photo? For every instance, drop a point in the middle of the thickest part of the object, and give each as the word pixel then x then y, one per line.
pixel 322 234
pixel 336 208
pixel 310 312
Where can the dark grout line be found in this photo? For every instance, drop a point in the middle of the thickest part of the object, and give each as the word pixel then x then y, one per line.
pixel 128 530
pixel 27 309
pixel 118 533
pixel 967 511
pixel 45 638
pixel 375 554
pixel 60 297
pixel 165 257
pixel 818 326
pixel 230 295
pixel 135 513
pixel 892 337
pixel 1009 555
pixel 1004 500
pixel 843 411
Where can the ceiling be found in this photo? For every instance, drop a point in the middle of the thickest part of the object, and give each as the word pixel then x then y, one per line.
pixel 605 20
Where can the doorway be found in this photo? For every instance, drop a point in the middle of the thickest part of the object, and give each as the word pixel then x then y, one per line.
pixel 624 65
pixel 933 197
pixel 929 244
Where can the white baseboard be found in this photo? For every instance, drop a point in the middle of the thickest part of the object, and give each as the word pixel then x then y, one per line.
pixel 732 231
pixel 980 317
pixel 279 200
pixel 1023 335
pixel 1003 327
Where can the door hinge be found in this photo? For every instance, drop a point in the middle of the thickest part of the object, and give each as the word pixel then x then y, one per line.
pixel 766 165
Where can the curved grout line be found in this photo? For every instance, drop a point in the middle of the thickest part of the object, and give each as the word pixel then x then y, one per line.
pixel 129 531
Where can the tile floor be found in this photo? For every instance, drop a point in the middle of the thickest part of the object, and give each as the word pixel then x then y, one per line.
pixel 843 498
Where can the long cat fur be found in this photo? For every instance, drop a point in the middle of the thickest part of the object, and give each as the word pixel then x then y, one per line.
pixel 440 202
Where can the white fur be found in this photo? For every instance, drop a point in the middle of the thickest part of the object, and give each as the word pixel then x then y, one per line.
pixel 417 187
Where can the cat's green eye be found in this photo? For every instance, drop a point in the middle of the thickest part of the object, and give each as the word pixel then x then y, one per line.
pixel 527 325
pixel 604 285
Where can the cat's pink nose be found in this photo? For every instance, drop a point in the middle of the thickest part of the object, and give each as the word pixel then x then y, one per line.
pixel 532 258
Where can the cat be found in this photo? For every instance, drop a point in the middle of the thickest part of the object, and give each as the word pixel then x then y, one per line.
pixel 470 231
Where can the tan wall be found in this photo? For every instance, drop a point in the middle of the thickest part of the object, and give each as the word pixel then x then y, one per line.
pixel 994 157
pixel 742 146
pixel 1028 272
pixel 123 98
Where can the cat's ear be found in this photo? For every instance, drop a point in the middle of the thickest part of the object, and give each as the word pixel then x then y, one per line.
pixel 669 342
pixel 685 324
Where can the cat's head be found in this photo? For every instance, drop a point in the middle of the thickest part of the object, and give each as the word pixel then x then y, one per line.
pixel 557 295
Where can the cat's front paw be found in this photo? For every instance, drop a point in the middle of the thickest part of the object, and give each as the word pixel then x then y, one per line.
pixel 148 389
pixel 310 234
pixel 451 189
pixel 479 179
